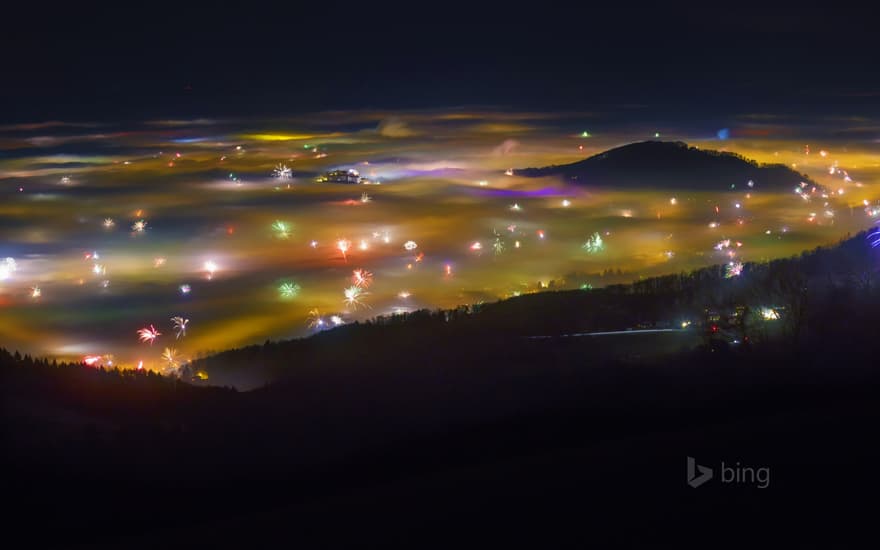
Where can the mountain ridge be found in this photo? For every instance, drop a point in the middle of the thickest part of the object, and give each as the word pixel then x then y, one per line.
pixel 655 302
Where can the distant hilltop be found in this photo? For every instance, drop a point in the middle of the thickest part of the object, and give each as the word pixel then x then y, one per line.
pixel 673 164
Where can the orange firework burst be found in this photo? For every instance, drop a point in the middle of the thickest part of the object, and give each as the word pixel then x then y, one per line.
pixel 362 278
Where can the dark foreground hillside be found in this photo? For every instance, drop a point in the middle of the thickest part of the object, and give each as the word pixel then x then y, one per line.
pixel 467 437
pixel 573 452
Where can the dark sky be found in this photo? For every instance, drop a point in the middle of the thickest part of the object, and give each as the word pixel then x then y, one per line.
pixel 78 62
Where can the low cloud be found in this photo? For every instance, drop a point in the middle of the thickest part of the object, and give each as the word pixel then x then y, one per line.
pixel 506 148
pixel 395 128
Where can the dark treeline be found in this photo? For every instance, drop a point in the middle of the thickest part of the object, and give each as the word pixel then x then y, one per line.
pixel 829 292
pixel 78 412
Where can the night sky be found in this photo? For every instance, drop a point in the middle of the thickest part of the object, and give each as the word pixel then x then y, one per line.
pixel 701 63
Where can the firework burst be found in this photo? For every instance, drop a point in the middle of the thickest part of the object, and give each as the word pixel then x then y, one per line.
pixel 288 290
pixel 498 245
pixel 733 269
pixel 282 172
pixel 315 320
pixel 343 245
pixel 362 278
pixel 148 334
pixel 594 244
pixel 180 325
pixel 281 229
pixel 171 358
pixel 353 295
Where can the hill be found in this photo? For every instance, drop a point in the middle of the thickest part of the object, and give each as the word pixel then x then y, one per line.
pixel 804 292
pixel 673 165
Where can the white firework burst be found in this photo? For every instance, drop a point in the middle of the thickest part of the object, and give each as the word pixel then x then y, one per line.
pixel 282 172
pixel 180 325
pixel 353 295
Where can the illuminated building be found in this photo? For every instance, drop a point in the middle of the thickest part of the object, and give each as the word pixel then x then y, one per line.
pixel 341 176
